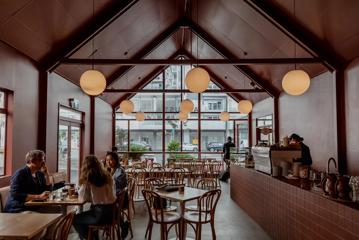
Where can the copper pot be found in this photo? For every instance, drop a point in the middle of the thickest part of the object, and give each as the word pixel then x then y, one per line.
pixel 329 185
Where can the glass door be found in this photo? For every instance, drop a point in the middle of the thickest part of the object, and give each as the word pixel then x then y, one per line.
pixel 69 151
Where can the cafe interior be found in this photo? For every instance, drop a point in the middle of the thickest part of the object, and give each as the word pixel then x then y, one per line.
pixel 163 84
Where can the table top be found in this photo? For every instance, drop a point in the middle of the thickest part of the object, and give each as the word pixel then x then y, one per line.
pixel 65 201
pixel 188 195
pixel 148 170
pixel 24 225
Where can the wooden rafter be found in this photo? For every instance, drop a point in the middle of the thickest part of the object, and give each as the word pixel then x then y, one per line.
pixel 73 43
pixel 226 53
pixel 157 41
pixel 298 33
pixel 247 61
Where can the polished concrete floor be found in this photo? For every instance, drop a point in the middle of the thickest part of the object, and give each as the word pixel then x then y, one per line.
pixel 231 223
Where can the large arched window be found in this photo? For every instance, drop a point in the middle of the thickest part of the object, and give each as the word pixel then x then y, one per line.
pixel 163 136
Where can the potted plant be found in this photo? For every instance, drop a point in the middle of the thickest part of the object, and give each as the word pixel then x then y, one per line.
pixel 136 151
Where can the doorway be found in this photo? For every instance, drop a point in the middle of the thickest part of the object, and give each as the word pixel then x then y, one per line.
pixel 69 146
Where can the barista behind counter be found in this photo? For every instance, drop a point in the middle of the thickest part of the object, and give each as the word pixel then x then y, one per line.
pixel 306 158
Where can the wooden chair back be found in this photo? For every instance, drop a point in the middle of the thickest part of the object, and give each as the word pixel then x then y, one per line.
pixel 63 227
pixel 207 184
pixel 207 204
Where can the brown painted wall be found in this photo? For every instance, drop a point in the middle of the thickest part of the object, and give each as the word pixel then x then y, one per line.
pixel 19 74
pixel 352 116
pixel 103 127
pixel 59 91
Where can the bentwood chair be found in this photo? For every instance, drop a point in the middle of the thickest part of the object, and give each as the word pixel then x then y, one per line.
pixel 157 214
pixel 62 228
pixel 204 184
pixel 207 204
pixel 112 230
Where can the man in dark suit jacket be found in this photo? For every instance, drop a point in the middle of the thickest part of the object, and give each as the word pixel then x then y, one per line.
pixel 28 183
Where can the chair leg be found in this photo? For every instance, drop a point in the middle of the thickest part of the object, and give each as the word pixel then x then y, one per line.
pixel 148 227
pixel 199 231
pixel 213 230
pixel 130 227
pixel 150 230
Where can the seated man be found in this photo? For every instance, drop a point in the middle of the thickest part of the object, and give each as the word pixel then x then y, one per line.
pixel 28 183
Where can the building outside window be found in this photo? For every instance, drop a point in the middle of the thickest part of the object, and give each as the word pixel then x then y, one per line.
pixel 162 133
pixel 3 120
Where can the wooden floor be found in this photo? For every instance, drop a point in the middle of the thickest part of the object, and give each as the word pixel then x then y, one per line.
pixel 231 223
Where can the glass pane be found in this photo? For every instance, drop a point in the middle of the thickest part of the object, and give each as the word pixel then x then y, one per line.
pixel 173 77
pixel 121 135
pixel 242 135
pixel 190 136
pixel 212 156
pixel 120 115
pixel 75 154
pixel 156 83
pixel 173 101
pixel 62 149
pixel 147 102
pixel 193 97
pixel 181 156
pixel 67 113
pixel 212 85
pixel 214 102
pixel 2 142
pixel 2 99
pixel 173 135
pixel 214 134
pixel 185 70
pixel 145 136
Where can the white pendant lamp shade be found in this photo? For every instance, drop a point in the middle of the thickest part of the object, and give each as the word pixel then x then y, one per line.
pixel 186 106
pixel 183 116
pixel 197 80
pixel 140 116
pixel 224 116
pixel 93 82
pixel 245 106
pixel 126 106
pixel 296 82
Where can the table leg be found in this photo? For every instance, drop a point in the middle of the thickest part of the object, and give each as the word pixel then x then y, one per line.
pixel 64 209
pixel 181 224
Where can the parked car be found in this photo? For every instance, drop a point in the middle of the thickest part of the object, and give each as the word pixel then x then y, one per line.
pixel 215 147
pixel 190 147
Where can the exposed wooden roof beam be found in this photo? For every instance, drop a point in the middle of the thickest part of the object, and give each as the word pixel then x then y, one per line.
pixel 298 33
pixel 216 79
pixel 246 90
pixel 247 61
pixel 70 45
pixel 146 79
pixel 226 53
pixel 158 40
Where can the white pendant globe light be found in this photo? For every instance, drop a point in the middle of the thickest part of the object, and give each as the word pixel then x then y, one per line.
pixel 186 106
pixel 183 116
pixel 93 82
pixel 140 116
pixel 245 106
pixel 296 82
pixel 126 106
pixel 224 116
pixel 197 80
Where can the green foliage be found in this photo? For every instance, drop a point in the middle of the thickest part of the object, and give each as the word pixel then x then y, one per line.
pixel 121 138
pixel 173 146
pixel 136 151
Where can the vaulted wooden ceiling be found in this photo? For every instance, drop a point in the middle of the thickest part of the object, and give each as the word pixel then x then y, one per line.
pixel 49 31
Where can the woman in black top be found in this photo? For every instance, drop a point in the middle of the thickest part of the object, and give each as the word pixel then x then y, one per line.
pixel 306 157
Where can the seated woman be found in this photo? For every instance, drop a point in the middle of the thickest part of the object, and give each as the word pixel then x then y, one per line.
pixel 120 178
pixel 30 182
pixel 96 186
pixel 117 172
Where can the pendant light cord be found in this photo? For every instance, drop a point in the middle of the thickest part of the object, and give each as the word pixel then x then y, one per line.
pixel 93 38
pixel 295 45
pixel 197 34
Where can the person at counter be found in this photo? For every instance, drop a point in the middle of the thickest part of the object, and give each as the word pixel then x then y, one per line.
pixel 227 150
pixel 296 140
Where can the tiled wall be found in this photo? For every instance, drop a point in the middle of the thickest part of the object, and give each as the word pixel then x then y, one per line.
pixel 288 212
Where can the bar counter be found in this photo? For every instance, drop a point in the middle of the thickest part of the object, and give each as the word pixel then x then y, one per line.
pixel 291 209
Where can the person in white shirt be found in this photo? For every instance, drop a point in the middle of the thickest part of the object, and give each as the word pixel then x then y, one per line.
pixel 97 187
